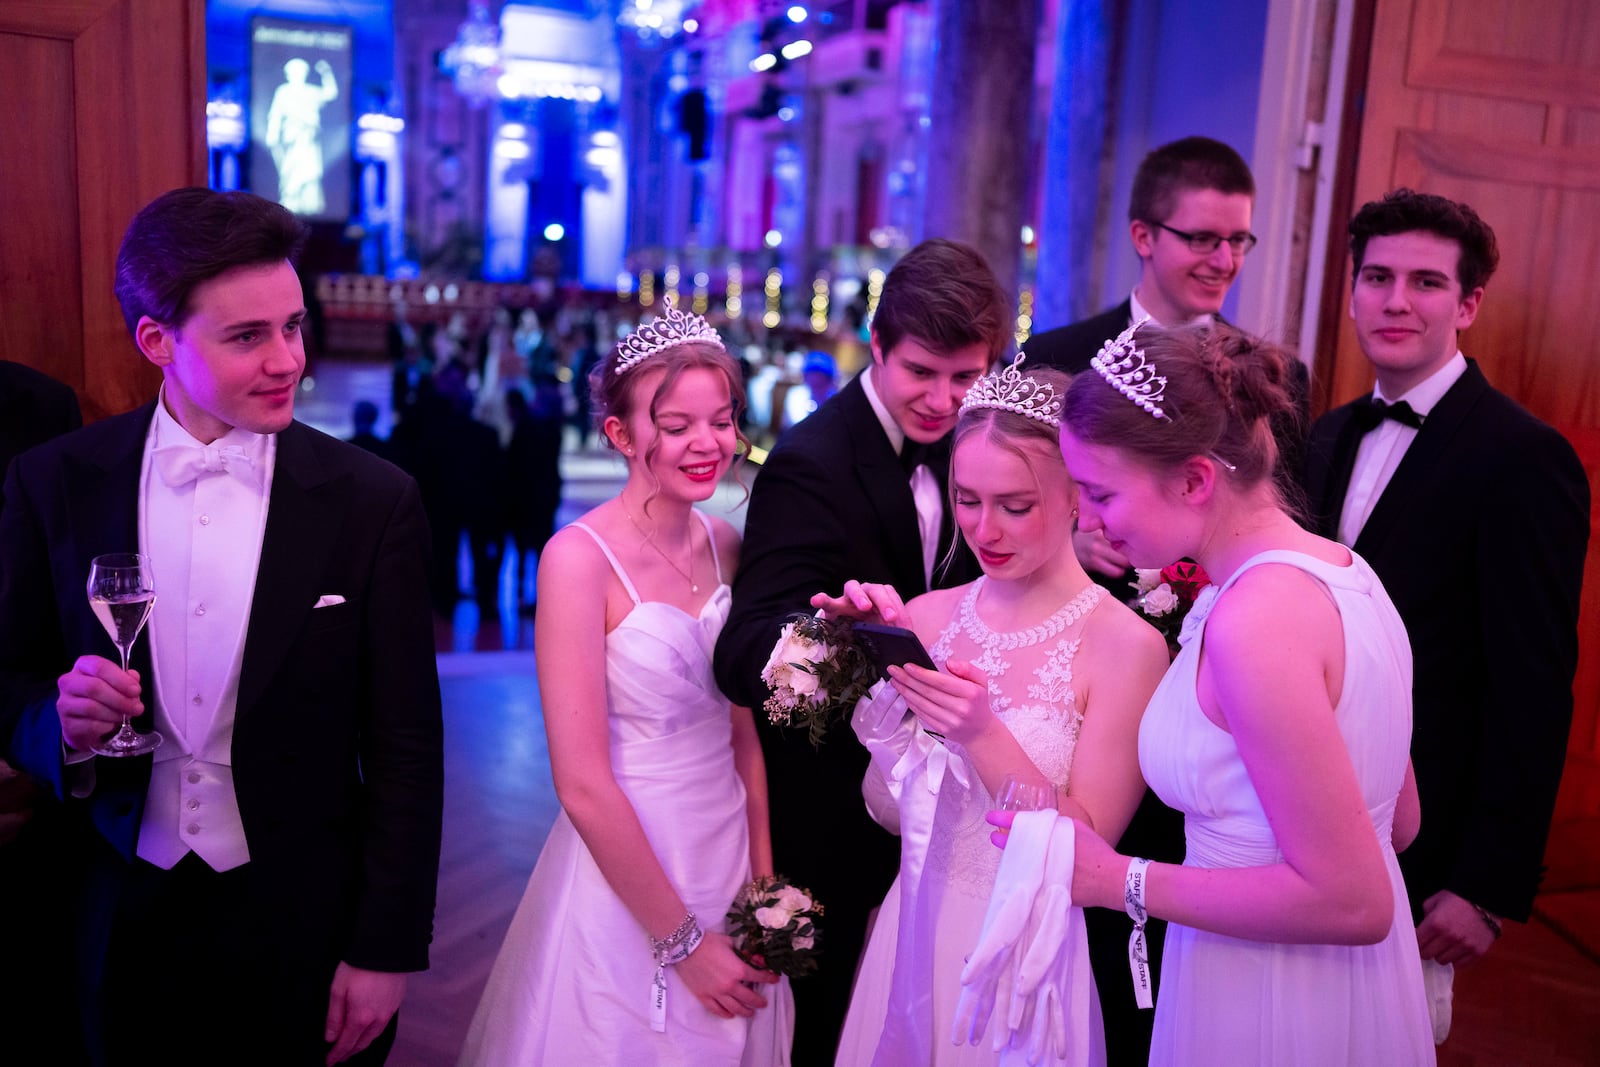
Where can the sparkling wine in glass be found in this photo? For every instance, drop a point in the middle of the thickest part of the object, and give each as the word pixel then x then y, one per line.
pixel 122 592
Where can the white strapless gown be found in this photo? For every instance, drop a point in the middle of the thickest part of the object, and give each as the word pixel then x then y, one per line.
pixel 572 982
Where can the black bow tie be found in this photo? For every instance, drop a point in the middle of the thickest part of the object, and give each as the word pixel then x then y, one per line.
pixel 1373 411
pixel 913 454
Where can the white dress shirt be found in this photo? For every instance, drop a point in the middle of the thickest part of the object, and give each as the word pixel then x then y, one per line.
pixel 1384 446
pixel 204 543
pixel 924 486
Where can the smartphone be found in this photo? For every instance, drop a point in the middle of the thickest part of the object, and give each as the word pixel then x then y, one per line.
pixel 890 646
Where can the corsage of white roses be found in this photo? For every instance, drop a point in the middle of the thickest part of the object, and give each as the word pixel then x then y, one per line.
pixel 773 924
pixel 817 672
pixel 1166 595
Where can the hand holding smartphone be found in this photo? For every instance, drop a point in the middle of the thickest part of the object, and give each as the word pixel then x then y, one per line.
pixel 892 646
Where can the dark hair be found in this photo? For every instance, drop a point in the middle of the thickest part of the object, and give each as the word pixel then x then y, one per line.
pixel 1224 390
pixel 1189 163
pixel 1405 211
pixel 943 294
pixel 613 394
pixel 186 237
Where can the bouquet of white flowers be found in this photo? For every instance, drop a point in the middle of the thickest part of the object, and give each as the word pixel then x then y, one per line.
pixel 817 672
pixel 773 924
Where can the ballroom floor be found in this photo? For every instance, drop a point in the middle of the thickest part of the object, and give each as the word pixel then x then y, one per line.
pixel 1534 1000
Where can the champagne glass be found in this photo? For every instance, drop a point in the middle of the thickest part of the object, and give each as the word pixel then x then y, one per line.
pixel 122 592
pixel 1019 793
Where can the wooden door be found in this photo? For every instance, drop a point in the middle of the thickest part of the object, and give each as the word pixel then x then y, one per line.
pixel 104 109
pixel 1497 103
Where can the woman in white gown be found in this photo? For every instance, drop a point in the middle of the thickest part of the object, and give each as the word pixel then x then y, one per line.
pixel 616 953
pixel 1044 678
pixel 1282 730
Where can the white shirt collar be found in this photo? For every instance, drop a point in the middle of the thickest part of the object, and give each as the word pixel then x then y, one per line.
pixel 1139 311
pixel 165 431
pixel 891 429
pixel 1425 394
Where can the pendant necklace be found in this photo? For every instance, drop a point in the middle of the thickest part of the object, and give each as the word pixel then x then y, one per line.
pixel 688 575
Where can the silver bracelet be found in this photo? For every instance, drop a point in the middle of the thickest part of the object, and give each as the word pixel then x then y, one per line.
pixel 663 947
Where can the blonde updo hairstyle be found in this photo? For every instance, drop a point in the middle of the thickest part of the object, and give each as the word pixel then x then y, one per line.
pixel 1224 391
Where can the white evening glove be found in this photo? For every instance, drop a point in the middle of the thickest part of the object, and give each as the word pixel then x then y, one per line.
pixel 1053 979
pixel 988 979
pixel 886 727
pixel 1438 982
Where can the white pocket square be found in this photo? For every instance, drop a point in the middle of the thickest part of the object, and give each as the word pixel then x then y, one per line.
pixel 327 601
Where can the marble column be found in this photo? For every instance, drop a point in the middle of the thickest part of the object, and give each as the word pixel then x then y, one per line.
pixel 981 98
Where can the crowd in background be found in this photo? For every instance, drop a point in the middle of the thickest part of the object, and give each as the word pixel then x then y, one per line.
pixel 481 417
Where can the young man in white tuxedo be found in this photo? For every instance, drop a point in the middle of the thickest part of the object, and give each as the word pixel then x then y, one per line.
pixel 261 883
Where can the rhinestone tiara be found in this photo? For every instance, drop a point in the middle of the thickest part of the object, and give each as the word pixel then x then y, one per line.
pixel 667 330
pixel 1008 389
pixel 1124 367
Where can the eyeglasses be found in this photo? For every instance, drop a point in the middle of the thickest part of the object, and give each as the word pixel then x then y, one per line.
pixel 1206 243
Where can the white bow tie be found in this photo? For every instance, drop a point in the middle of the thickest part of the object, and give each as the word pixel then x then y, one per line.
pixel 179 465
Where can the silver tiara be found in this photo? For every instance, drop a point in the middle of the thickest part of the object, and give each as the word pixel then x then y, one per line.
pixel 669 329
pixel 1010 390
pixel 1123 365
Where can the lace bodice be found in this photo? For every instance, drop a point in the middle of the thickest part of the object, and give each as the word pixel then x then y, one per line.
pixel 1031 692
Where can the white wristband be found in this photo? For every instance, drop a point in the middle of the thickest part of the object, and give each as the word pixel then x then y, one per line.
pixel 1138 947
pixel 673 949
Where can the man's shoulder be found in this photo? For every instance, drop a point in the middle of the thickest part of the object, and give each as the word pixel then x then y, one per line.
pixel 342 458
pixel 92 440
pixel 20 377
pixel 1072 346
pixel 1495 426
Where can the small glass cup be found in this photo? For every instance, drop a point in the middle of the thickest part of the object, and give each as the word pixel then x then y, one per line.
pixel 1020 793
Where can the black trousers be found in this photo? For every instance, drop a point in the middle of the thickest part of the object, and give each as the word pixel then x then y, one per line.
pixel 197 972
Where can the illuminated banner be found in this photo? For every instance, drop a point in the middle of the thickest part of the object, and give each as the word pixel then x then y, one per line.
pixel 300 115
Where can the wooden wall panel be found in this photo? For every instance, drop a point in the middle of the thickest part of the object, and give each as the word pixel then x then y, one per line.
pixel 106 110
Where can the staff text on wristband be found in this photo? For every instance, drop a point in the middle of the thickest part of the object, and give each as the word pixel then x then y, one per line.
pixel 1138 947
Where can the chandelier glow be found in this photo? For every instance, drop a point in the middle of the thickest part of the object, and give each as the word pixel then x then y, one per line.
pixel 1125 369
pixel 1008 389
pixel 669 329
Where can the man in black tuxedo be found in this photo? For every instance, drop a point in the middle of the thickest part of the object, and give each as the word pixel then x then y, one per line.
pixel 1189 219
pixel 1476 517
pixel 259 887
pixel 856 490
pixel 37 845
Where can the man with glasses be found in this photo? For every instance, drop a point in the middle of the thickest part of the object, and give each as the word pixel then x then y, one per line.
pixel 1189 218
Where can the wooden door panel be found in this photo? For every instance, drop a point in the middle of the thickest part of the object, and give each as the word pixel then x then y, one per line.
pixel 1497 103
pixel 38 272
pixel 105 110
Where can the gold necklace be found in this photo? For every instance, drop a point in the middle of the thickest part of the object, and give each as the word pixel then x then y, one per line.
pixel 688 575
